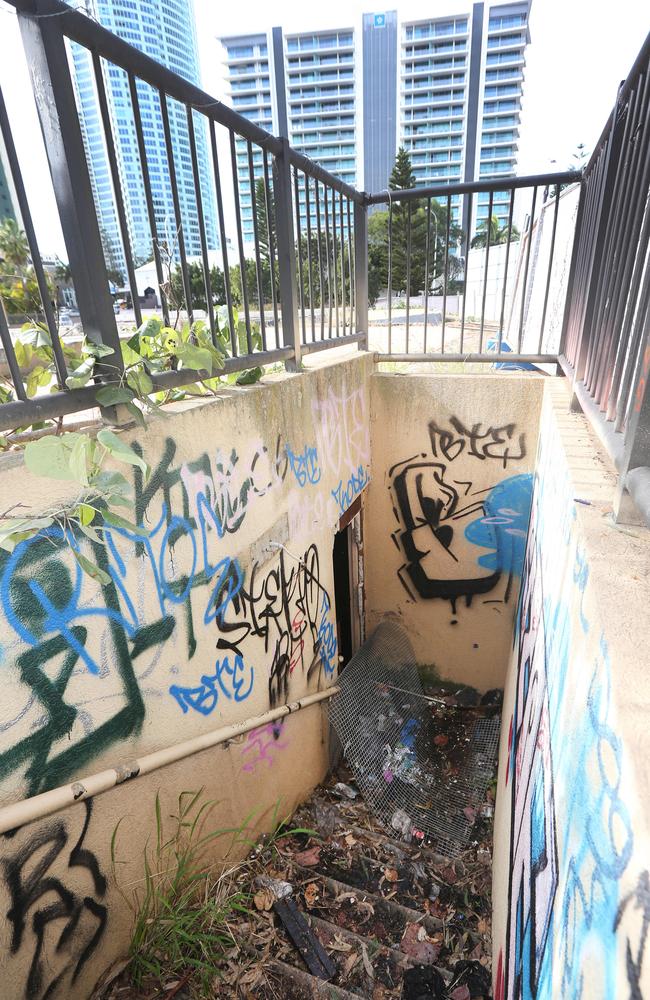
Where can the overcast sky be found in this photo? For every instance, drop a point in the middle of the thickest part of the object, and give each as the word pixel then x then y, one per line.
pixel 580 51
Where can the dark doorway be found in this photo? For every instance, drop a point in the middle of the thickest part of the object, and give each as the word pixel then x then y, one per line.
pixel 342 595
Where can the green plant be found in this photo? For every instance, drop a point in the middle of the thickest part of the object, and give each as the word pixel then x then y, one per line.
pixel 181 912
pixel 79 457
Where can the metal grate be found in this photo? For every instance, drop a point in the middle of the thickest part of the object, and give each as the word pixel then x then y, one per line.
pixel 386 729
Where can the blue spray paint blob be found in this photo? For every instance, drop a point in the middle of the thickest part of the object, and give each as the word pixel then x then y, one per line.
pixel 504 525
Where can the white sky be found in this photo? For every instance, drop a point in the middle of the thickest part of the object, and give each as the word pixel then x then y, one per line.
pixel 580 51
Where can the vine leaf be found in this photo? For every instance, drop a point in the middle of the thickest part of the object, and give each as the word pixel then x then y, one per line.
pixel 91 569
pixel 122 451
pixel 53 456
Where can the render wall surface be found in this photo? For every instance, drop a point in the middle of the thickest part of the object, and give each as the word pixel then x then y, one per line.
pixel 571 889
pixel 447 514
pixel 203 624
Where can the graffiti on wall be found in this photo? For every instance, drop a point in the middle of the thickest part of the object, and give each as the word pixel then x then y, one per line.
pixel 46 906
pixel 67 634
pixel 262 745
pixel 567 862
pixel 457 540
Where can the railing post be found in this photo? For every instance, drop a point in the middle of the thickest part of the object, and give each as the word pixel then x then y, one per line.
pixel 361 270
pixel 286 254
pixel 57 111
pixel 636 450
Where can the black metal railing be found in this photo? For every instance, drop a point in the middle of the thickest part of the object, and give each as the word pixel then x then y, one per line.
pixel 606 346
pixel 289 305
pixel 541 269
pixel 446 241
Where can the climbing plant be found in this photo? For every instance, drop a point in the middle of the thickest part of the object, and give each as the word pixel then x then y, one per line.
pixel 79 456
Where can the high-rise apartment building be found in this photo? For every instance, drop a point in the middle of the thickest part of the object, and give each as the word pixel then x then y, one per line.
pixel 165 31
pixel 447 87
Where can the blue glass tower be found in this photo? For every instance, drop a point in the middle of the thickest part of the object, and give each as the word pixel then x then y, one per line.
pixel 165 31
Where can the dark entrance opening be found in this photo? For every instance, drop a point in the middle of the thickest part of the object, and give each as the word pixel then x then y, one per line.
pixel 342 595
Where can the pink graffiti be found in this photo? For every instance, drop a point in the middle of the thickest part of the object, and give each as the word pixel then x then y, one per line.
pixel 262 744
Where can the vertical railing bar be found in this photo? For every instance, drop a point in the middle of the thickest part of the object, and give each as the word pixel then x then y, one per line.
pixel 525 281
pixel 30 233
pixel 609 275
pixel 641 264
pixel 505 268
pixel 240 243
pixel 256 240
pixel 468 238
pixel 146 180
pixel 320 260
pixel 301 290
pixel 177 207
pixel 224 244
pixel 426 273
pixel 444 296
pixel 550 267
pixel 117 185
pixel 351 270
pixel 626 391
pixel 409 218
pixel 342 247
pixel 329 261
pixel 633 356
pixel 209 304
pixel 485 275
pixel 390 275
pixel 629 235
pixel 574 282
pixel 270 226
pixel 10 354
pixel 309 260
pixel 334 258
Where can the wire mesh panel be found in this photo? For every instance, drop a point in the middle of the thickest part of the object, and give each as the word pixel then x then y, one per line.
pixel 386 728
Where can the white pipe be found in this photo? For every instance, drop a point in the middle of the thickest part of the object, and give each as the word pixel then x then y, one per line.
pixel 16 815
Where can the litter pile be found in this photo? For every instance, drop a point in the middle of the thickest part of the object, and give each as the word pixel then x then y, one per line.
pixel 351 911
pixel 381 885
pixel 390 734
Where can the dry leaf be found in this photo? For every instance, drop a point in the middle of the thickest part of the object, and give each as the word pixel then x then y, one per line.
pixel 311 894
pixel 367 964
pixel 308 858
pixel 349 964
pixel 264 899
pixel 391 874
pixel 350 840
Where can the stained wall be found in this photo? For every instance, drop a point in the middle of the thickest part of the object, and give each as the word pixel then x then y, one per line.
pixel 202 623
pixel 571 887
pixel 447 514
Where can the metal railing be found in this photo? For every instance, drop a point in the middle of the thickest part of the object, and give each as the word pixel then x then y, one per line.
pixel 606 338
pixel 434 235
pixel 309 309
pixel 541 269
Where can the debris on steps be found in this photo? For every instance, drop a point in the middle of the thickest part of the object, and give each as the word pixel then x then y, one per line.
pixel 340 903
pixel 398 920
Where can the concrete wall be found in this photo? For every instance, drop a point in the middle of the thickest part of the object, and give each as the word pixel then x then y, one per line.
pixel 202 624
pixel 571 884
pixel 447 513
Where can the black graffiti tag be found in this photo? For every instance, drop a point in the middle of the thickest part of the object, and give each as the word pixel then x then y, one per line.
pixel 38 894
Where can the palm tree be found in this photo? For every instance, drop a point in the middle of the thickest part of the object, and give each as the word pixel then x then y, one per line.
pixel 498 234
pixel 14 249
